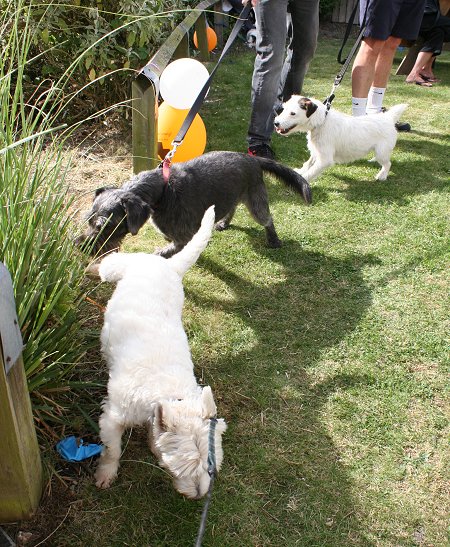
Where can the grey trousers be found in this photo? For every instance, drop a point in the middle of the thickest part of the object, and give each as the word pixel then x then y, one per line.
pixel 278 73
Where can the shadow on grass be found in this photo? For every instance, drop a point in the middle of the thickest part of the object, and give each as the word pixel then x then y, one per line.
pixel 284 480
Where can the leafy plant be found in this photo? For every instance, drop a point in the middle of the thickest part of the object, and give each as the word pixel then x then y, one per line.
pixel 36 240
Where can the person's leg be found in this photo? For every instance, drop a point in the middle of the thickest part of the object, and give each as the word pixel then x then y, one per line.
pixel 270 49
pixel 302 46
pixel 426 70
pixel 434 38
pixel 384 62
pixel 418 71
pixel 371 73
pixel 363 73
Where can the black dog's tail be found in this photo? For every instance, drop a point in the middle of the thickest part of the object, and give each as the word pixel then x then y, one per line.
pixel 287 175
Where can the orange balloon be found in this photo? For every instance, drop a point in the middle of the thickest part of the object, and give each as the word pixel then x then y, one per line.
pixel 170 121
pixel 211 37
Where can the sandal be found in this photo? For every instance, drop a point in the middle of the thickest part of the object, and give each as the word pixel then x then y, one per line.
pixel 429 79
pixel 422 83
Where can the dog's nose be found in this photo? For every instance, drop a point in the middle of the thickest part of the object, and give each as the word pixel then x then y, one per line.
pixel 276 123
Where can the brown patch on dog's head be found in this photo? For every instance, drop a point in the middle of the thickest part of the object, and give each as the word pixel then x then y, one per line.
pixel 308 105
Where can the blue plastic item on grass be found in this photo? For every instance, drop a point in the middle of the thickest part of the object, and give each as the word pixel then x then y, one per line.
pixel 75 449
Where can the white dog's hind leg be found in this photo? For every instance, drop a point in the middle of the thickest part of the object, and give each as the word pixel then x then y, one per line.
pixel 383 157
pixel 384 171
pixel 111 434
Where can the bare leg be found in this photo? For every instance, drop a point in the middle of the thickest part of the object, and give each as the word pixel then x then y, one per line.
pixel 372 65
pixel 417 71
pixel 384 62
pixel 363 71
pixel 427 69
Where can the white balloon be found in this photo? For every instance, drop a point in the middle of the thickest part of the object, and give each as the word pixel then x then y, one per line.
pixel 181 82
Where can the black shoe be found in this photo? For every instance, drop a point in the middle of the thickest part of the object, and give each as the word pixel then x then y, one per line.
pixel 400 126
pixel 403 126
pixel 261 150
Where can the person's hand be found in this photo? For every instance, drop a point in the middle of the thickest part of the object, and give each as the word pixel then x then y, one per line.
pixel 254 2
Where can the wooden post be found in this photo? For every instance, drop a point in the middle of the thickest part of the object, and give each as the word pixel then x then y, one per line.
pixel 202 38
pixel 144 124
pixel 145 89
pixel 182 49
pixel 219 23
pixel 20 461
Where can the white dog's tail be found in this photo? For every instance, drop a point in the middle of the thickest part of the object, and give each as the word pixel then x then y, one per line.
pixel 182 261
pixel 396 111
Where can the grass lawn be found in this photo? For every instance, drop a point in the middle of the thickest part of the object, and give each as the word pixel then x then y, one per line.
pixel 328 358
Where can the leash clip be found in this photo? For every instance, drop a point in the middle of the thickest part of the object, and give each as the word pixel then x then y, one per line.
pixel 167 161
pixel 327 102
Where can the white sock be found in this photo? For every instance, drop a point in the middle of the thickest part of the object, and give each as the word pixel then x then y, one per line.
pixel 359 106
pixel 375 100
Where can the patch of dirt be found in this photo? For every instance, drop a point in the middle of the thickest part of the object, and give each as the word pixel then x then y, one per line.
pixel 99 156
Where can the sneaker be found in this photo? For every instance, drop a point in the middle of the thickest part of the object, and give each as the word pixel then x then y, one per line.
pixel 403 126
pixel 261 150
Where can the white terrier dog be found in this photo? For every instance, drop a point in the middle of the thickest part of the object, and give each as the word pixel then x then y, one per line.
pixel 339 138
pixel 151 376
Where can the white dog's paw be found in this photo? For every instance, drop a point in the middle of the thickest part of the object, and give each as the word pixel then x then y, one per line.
pixel 304 174
pixel 105 475
pixel 300 171
pixel 381 175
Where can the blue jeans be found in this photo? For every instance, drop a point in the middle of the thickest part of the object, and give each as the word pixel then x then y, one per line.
pixel 279 74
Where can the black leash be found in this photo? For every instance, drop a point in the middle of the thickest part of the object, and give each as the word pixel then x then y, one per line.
pixel 212 473
pixel 345 64
pixel 243 16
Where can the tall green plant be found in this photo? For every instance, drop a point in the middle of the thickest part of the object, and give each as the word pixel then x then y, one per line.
pixel 35 230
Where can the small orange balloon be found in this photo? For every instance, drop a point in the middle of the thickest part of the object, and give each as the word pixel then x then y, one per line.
pixel 211 37
pixel 170 121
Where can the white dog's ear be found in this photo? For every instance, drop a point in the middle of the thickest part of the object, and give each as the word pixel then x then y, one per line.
pixel 209 409
pixel 112 268
pixel 308 105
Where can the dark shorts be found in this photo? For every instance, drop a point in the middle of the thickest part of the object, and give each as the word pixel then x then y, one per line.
pixel 384 18
pixel 435 30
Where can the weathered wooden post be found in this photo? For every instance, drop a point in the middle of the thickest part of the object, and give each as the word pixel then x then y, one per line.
pixel 219 23
pixel 20 461
pixel 145 87
pixel 144 127
pixel 202 38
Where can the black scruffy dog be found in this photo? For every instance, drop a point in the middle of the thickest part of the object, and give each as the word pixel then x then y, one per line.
pixel 222 179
